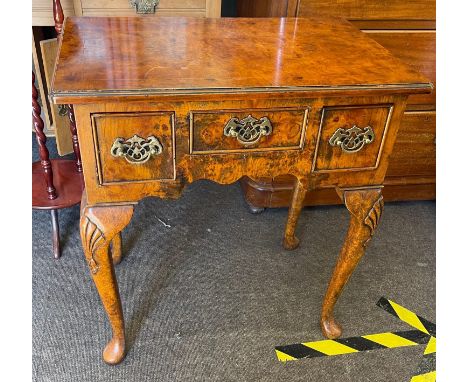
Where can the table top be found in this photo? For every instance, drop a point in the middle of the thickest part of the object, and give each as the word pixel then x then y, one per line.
pixel 121 55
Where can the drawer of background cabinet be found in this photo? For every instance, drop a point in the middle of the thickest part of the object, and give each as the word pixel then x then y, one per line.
pixel 133 147
pixel 414 152
pixel 351 137
pixel 124 8
pixel 241 130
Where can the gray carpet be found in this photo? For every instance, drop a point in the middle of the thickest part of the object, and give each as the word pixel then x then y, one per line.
pixel 208 298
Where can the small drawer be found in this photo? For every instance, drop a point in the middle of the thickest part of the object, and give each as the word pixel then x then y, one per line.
pixel 351 137
pixel 231 131
pixel 132 147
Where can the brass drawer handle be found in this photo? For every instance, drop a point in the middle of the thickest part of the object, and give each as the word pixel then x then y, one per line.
pixel 352 140
pixel 136 150
pixel 144 6
pixel 249 130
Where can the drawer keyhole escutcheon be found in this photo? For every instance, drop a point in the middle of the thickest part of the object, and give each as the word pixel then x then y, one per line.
pixel 136 150
pixel 353 139
pixel 249 130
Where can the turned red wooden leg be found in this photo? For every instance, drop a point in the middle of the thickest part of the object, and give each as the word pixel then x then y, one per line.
pixel 290 240
pixel 55 233
pixel 58 16
pixel 99 226
pixel 365 207
pixel 41 141
pixel 74 134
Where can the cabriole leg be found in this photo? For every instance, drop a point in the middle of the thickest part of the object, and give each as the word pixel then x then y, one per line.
pixel 290 240
pixel 116 248
pixel 365 207
pixel 98 227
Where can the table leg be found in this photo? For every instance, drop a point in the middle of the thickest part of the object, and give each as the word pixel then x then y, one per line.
pixel 290 240
pixel 55 233
pixel 99 226
pixel 116 248
pixel 365 207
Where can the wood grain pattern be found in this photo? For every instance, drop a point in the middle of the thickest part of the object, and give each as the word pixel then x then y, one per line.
pixel 369 9
pixel 332 158
pixel 237 60
pixel 207 130
pixel 262 8
pixel 110 126
pixel 190 168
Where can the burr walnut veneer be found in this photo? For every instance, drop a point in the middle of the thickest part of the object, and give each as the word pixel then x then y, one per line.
pixel 160 103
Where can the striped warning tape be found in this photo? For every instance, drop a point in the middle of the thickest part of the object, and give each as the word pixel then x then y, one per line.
pixel 407 316
pixel 425 333
pixel 348 345
pixel 426 371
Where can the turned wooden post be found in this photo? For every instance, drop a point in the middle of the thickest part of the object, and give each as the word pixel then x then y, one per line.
pixel 58 16
pixel 41 141
pixel 76 146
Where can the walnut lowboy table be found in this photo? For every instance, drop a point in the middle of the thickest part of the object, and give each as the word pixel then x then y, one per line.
pixel 163 102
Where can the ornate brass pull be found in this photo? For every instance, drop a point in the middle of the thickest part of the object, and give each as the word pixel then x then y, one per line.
pixel 136 150
pixel 249 130
pixel 144 6
pixel 352 140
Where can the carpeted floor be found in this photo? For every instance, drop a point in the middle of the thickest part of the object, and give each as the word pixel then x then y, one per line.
pixel 208 297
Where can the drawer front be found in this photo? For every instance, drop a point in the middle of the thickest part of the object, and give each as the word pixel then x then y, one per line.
pixel 370 9
pixel 230 131
pixel 414 152
pixel 123 8
pixel 417 49
pixel 351 137
pixel 132 147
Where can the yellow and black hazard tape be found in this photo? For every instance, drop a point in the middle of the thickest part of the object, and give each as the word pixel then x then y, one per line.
pixel 351 345
pixel 407 316
pixel 427 368
pixel 425 333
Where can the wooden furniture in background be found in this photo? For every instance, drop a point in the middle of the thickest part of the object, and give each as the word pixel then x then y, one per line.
pixel 318 109
pixel 408 30
pixel 57 183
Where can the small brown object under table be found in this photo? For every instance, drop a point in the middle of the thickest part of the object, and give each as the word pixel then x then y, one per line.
pixel 160 103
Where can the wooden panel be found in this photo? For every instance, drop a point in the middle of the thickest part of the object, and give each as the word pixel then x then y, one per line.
pixel 38 68
pixel 107 127
pixel 208 130
pixel 123 8
pixel 414 152
pixel 416 48
pixel 213 8
pixel 61 123
pixel 333 157
pixel 212 54
pixel 42 14
pixel 370 9
pixel 262 8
